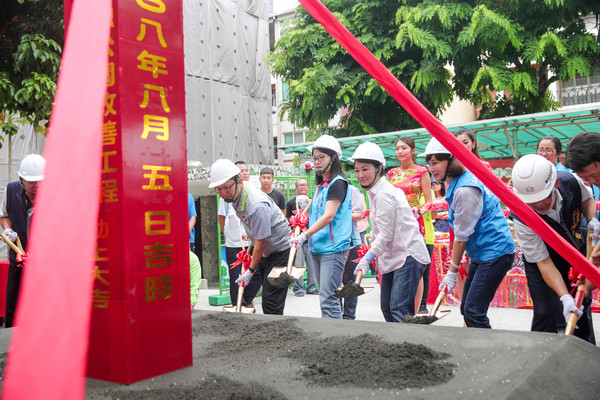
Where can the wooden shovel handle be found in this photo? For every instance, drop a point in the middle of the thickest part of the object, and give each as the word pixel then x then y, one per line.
pixel 11 244
pixel 359 276
pixel 438 301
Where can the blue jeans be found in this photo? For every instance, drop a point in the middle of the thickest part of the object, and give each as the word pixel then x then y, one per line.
pixel 398 290
pixel 328 270
pixel 480 288
pixel 302 255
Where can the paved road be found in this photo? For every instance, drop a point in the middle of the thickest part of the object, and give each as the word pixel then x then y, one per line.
pixel 368 310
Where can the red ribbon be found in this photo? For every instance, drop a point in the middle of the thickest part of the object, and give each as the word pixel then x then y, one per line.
pixel 362 250
pixel 366 214
pixel 299 220
pixel 574 276
pixel 244 258
pixel 22 259
pixel 442 206
pixel 598 205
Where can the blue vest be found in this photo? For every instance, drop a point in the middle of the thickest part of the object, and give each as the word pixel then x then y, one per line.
pixel 492 237
pixel 572 226
pixel 335 237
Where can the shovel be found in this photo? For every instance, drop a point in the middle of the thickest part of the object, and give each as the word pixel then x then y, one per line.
pixel 433 315
pixel 239 308
pixel 353 289
pixel 579 294
pixel 281 277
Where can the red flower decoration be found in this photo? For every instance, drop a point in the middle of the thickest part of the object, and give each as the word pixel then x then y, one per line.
pixel 244 258
pixel 22 259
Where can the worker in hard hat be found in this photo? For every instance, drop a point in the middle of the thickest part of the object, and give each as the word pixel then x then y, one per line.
pixel 16 211
pixel 265 224
pixel 564 202
pixel 396 240
pixel 330 223
pixel 480 228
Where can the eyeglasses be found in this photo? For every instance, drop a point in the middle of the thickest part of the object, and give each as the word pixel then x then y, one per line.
pixel 546 151
pixel 224 188
pixel 301 185
pixel 319 158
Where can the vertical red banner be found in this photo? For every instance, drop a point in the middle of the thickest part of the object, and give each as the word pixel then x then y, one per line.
pixel 141 322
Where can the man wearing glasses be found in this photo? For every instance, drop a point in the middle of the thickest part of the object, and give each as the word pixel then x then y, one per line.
pixel 264 223
pixel 235 238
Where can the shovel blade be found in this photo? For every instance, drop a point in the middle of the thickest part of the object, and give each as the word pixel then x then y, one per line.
pixel 245 310
pixel 298 272
pixel 276 271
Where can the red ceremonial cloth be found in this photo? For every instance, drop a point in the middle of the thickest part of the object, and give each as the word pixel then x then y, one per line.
pixel 48 352
pixel 407 100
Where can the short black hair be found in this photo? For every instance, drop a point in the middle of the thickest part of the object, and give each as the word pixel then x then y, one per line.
pixel 240 162
pixel 583 150
pixel 267 170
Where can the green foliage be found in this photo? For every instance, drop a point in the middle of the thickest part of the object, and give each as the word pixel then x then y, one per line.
pixel 515 48
pixel 31 35
pixel 500 55
pixel 325 79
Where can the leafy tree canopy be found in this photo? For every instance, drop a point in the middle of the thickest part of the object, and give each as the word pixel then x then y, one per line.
pixel 437 48
pixel 31 39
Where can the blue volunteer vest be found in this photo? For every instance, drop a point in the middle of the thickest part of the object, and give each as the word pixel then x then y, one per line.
pixel 492 237
pixel 335 237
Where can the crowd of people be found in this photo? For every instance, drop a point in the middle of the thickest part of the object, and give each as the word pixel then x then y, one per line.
pixel 334 247
pixel 434 199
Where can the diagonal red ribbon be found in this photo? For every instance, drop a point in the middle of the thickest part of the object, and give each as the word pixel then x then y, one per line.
pixel 48 352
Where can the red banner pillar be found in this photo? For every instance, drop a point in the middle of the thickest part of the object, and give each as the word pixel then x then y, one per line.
pixel 141 321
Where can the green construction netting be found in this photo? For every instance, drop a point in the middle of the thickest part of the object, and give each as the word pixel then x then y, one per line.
pixel 509 137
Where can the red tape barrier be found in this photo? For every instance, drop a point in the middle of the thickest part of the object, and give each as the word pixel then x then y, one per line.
pixel 411 104
pixel 48 352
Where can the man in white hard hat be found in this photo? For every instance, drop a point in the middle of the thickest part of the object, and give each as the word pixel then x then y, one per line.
pixel 265 224
pixel 16 210
pixel 235 238
pixel 564 202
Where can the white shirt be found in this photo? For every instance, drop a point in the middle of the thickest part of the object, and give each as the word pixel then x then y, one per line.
pixel 395 230
pixel 532 245
pixel 233 226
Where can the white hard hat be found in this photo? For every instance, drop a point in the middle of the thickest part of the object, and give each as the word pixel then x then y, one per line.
pixel 368 151
pixel 326 142
pixel 32 168
pixel 221 171
pixel 434 147
pixel 533 178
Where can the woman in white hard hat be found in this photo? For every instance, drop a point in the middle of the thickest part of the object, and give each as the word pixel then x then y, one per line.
pixel 415 182
pixel 479 227
pixel 330 223
pixel 561 200
pixel 396 241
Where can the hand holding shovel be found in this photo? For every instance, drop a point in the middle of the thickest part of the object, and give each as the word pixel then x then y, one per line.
pixel 353 289
pixel 281 277
pixel 245 258
pixel 579 294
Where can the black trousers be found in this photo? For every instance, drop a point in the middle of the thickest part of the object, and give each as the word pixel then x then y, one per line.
pixel 13 287
pixel 547 307
pixel 253 287
pixel 273 299
pixel 426 277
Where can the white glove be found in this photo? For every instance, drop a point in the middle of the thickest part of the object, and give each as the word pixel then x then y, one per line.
pixel 449 280
pixel 594 225
pixel 12 235
pixel 299 240
pixel 245 278
pixel 569 307
pixel 363 265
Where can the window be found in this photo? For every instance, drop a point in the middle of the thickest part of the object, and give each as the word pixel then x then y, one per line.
pixel 274 97
pixel 580 90
pixel 285 90
pixel 288 138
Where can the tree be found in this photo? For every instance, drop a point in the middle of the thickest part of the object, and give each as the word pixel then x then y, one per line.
pixel 324 78
pixel 437 48
pixel 31 38
pixel 515 48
